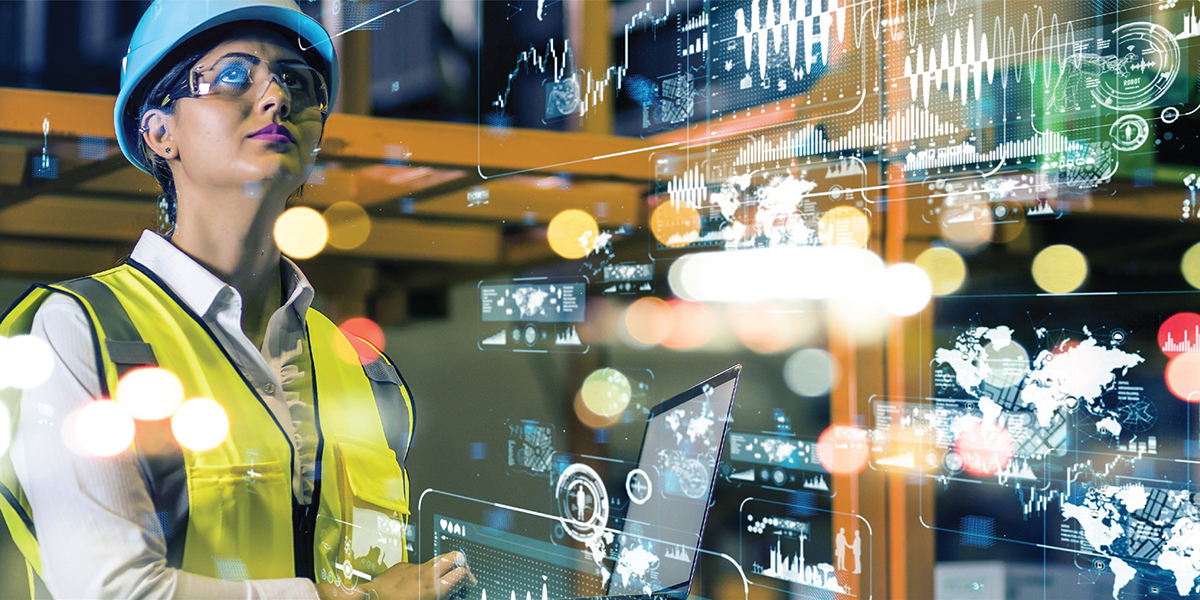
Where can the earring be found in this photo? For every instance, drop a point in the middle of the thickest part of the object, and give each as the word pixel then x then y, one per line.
pixel 168 150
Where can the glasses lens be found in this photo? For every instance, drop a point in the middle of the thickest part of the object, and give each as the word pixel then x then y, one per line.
pixel 229 77
pixel 306 87
pixel 233 76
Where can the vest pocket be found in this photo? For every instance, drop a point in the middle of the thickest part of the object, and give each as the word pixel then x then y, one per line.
pixel 373 493
pixel 240 522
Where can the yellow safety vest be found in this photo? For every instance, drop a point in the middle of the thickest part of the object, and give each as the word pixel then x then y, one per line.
pixel 230 512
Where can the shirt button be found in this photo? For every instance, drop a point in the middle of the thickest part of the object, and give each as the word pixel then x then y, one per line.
pixel 269 388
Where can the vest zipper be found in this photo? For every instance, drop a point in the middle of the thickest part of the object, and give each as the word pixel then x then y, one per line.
pixel 305 539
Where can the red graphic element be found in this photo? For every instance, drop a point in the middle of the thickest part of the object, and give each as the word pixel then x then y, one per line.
pixel 843 449
pixel 1179 334
pixel 985 448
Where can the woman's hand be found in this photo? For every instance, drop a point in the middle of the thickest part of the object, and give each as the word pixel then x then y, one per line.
pixel 438 578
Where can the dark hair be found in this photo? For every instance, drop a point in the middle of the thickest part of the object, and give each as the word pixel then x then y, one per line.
pixel 159 83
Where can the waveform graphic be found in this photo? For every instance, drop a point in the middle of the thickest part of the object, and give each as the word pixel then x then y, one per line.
pixel 953 67
pixel 968 153
pixel 677 553
pixel 912 123
pixel 772 29
pixel 798 34
pixel 1014 50
pixel 1041 209
pixel 568 337
pixel 816 482
pixel 1186 345
pixel 690 188
pixel 1191 26
pixel 793 568
pixel 513 595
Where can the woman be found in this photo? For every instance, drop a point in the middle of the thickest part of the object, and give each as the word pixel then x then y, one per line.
pixel 224 102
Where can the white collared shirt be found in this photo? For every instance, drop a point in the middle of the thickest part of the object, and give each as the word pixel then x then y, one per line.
pixel 96 523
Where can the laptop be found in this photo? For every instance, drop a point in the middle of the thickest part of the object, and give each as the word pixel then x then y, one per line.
pixel 681 448
pixel 648 549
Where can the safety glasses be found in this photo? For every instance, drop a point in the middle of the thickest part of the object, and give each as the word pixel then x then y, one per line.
pixel 244 77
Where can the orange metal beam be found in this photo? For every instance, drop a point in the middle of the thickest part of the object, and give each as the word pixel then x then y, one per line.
pixel 515 199
pixel 910 556
pixel 88 219
pixel 373 139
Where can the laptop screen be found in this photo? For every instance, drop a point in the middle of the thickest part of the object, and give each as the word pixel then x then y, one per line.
pixel 670 490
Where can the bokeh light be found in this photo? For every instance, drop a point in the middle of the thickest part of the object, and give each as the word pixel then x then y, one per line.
pixel 864 319
pixel 844 226
pixel 605 320
pixel 5 429
pixel 150 393
pixel 301 232
pixel 200 424
pixel 811 372
pixel 693 325
pixel 1008 222
pixel 675 224
pixel 768 328
pixel 985 448
pixel 102 428
pixel 589 418
pixel 946 269
pixel 968 225
pixel 776 273
pixel 1059 269
pixel 349 225
pixel 1183 376
pixel 358 329
pixel 1190 265
pixel 606 392
pixel 572 233
pixel 26 362
pixel 905 290
pixel 843 449
pixel 3 363
pixel 649 321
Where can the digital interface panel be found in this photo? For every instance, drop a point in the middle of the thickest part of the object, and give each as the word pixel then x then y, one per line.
pixel 802 154
pixel 532 315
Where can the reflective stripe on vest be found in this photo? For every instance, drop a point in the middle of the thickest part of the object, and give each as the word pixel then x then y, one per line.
pixel 229 512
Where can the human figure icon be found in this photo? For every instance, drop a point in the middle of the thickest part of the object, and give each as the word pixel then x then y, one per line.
pixel 840 551
pixel 856 547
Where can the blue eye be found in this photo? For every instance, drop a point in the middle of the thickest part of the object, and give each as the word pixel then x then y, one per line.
pixel 235 75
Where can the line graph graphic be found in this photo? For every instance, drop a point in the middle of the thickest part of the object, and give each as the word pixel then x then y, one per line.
pixel 556 61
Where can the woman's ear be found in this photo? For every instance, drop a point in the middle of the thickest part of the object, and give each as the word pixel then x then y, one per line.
pixel 156 131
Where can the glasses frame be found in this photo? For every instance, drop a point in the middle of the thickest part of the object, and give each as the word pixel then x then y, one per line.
pixel 190 88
